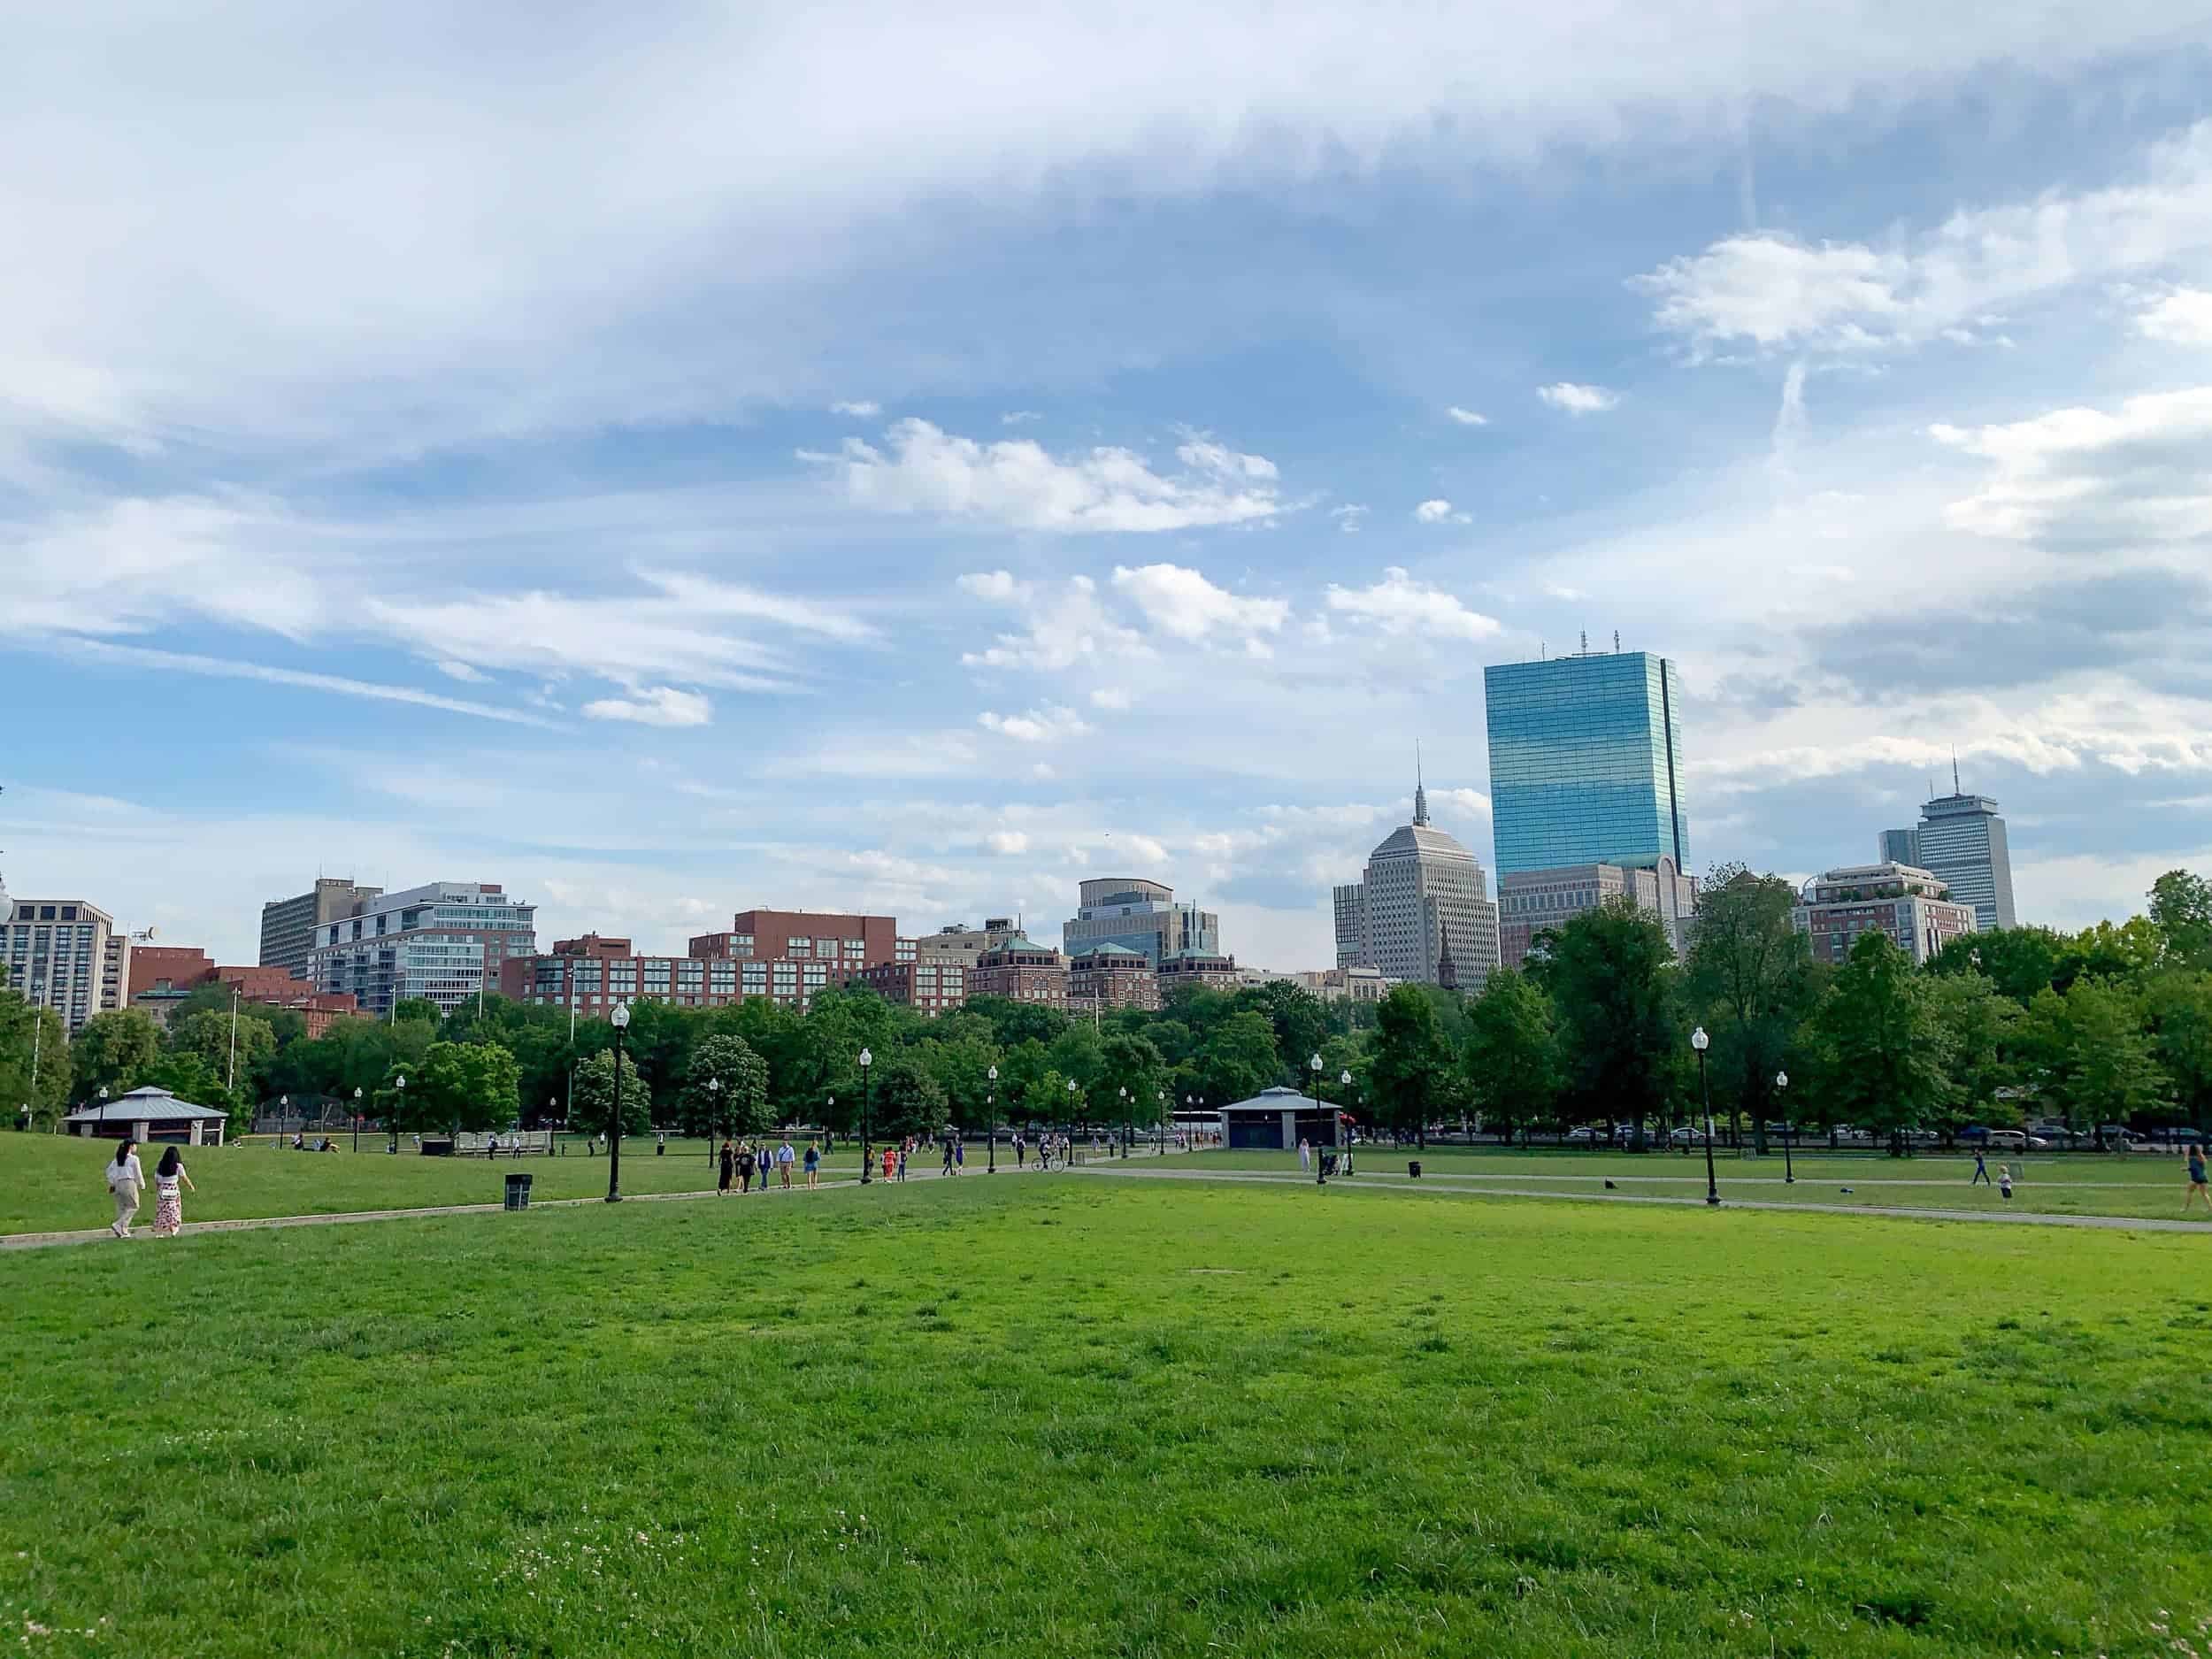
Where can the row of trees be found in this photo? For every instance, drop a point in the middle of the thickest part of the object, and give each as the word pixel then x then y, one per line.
pixel 2111 1024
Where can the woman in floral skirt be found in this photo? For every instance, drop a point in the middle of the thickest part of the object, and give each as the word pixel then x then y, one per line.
pixel 171 1183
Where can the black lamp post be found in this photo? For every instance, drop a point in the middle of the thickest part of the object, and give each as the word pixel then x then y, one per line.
pixel 284 1115
pixel 1159 1127
pixel 102 1130
pixel 714 1101
pixel 1344 1085
pixel 990 1110
pixel 1071 1147
pixel 1781 1093
pixel 1128 1128
pixel 356 1120
pixel 867 1149
pixel 1700 1041
pixel 621 1020
pixel 1320 1164
pixel 1190 1106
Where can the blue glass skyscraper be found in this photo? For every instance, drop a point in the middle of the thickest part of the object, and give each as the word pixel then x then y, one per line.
pixel 1586 762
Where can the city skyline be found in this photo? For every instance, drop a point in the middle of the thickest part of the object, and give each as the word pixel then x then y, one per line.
pixel 1114 484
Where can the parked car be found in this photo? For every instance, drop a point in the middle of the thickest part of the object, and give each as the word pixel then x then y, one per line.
pixel 2015 1140
pixel 1584 1135
pixel 1688 1136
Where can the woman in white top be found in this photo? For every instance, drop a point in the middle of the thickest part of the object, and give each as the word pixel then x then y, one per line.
pixel 169 1176
pixel 125 1179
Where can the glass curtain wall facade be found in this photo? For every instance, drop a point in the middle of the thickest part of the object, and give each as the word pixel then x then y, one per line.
pixel 1586 762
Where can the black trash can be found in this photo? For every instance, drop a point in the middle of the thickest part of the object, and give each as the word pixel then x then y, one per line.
pixel 519 1191
pixel 1413 1168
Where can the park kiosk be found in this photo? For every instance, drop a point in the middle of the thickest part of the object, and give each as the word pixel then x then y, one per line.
pixel 1278 1120
pixel 150 1115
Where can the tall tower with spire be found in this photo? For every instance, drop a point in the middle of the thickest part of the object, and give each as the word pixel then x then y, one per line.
pixel 1422 909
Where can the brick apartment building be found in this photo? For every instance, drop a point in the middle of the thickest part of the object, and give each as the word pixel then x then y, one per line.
pixel 1019 968
pixel 785 955
pixel 1913 906
pixel 1196 967
pixel 934 987
pixel 1108 977
pixel 162 976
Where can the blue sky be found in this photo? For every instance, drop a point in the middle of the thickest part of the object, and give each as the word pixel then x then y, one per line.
pixel 690 460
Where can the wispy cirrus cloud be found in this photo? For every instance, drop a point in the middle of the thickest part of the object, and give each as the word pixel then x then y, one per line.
pixel 654 705
pixel 1399 604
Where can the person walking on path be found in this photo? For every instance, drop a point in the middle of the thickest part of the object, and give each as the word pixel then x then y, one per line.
pixel 728 1169
pixel 948 1155
pixel 902 1160
pixel 171 1183
pixel 892 1158
pixel 1305 1153
pixel 813 1162
pixel 959 1154
pixel 784 1157
pixel 745 1166
pixel 2197 1188
pixel 1981 1170
pixel 125 1179
pixel 660 1144
pixel 2004 1181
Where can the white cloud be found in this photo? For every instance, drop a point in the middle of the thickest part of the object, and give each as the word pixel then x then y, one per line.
pixel 1399 604
pixel 1017 483
pixel 224 668
pixel 1184 603
pixel 1347 517
pixel 1466 417
pixel 1577 399
pixel 1049 724
pixel 654 705
pixel 866 409
pixel 1774 292
pixel 1113 697
pixel 1018 417
pixel 1065 624
pixel 1439 511
pixel 2183 318
pixel 462 671
pixel 1201 452
pixel 2083 478
pixel 1006 843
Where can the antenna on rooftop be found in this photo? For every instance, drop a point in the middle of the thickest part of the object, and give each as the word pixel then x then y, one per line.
pixel 1954 771
pixel 1617 640
pixel 1585 641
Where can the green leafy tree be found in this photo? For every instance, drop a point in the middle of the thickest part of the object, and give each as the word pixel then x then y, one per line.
pixel 907 1099
pixel 1045 1096
pixel 1982 1034
pixel 473 1086
pixel 740 1103
pixel 1882 1057
pixel 594 1095
pixel 961 1061
pixel 1511 1058
pixel 35 1061
pixel 1409 1066
pixel 114 1050
pixel 1750 975
pixel 2092 1063
pixel 1238 1059
pixel 206 1035
pixel 1611 986
pixel 2179 1008
pixel 420 1010
pixel 2128 952
pixel 190 1078
pixel 1129 1060
pixel 2018 961
pixel 1079 1052
pixel 1300 1020
pixel 2181 911
pixel 1014 1022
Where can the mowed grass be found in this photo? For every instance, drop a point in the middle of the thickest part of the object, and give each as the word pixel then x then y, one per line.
pixel 53 1183
pixel 1069 1415
pixel 2133 1184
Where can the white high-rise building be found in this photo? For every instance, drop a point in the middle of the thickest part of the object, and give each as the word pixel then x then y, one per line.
pixel 1960 841
pixel 1421 911
pixel 446 941
pixel 65 955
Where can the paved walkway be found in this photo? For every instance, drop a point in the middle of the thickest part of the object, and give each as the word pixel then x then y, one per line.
pixel 1148 1168
pixel 191 1229
pixel 1457 1187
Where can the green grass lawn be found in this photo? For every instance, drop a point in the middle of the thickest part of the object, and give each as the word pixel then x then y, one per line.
pixel 2089 1184
pixel 51 1183
pixel 1074 1417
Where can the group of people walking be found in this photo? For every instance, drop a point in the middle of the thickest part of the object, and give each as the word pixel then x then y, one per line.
pixel 742 1162
pixel 127 1181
